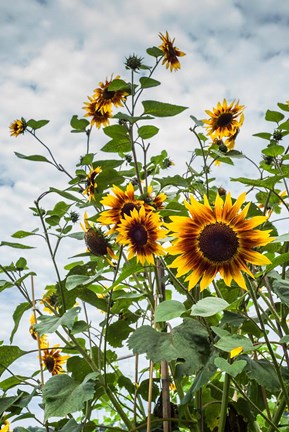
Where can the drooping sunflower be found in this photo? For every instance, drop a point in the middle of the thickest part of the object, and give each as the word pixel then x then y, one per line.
pixel 91 183
pixel 52 359
pixel 225 119
pixel 171 53
pixel 104 97
pixel 99 117
pixel 17 127
pixel 50 301
pixel 121 203
pixel 140 231
pixel 217 240
pixel 95 241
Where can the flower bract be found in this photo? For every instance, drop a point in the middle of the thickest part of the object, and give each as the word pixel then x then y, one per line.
pixel 217 240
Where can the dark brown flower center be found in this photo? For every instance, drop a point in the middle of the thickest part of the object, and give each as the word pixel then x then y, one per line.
pixel 49 363
pixel 218 242
pixel 107 95
pixel 95 242
pixel 224 119
pixel 128 208
pixel 138 235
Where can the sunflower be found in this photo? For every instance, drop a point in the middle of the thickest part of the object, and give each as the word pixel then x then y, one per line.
pixel 171 53
pixel 50 298
pixel 95 240
pixel 225 119
pixel 121 203
pixel 42 339
pixel 17 127
pixel 156 201
pixel 52 359
pixel 218 240
pixel 100 117
pixel 90 183
pixel 140 231
pixel 104 97
pixel 5 427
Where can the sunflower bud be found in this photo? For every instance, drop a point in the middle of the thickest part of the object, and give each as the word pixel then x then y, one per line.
pixel 95 241
pixel 222 191
pixel 133 62
pixel 223 148
pixel 277 135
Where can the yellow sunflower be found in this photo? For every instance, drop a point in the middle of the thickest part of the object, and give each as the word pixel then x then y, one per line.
pixel 90 183
pixel 17 127
pixel 5 427
pixel 33 332
pixel 52 359
pixel 95 240
pixel 171 53
pixel 140 231
pixel 217 240
pixel 50 298
pixel 121 203
pixel 225 119
pixel 104 97
pixel 100 117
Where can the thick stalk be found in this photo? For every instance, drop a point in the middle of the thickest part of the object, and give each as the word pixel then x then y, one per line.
pixel 224 405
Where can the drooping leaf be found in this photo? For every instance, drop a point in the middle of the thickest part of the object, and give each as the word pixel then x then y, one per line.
pixel 161 109
pixel 168 310
pixel 7 402
pixel 16 245
pixel 49 324
pixel 209 306
pixel 65 194
pixel 35 158
pixel 8 354
pixel 22 234
pixel 76 280
pixel 63 395
pixel 147 131
pixel 17 315
pixel 232 369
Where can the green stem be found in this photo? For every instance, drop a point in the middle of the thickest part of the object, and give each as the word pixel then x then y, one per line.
pixel 224 405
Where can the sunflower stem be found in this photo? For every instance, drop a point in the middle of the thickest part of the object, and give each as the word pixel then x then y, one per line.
pixel 224 403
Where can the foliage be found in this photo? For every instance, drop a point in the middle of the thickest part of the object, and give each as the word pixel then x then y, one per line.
pixel 172 276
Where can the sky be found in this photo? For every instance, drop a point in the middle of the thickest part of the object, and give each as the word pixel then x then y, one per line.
pixel 54 53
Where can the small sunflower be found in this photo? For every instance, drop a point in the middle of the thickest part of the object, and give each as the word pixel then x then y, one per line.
pixel 225 120
pixel 90 183
pixel 33 332
pixel 5 426
pixel 218 240
pixel 100 117
pixel 104 97
pixel 17 127
pixel 95 240
pixel 171 53
pixel 155 201
pixel 50 298
pixel 140 231
pixel 52 359
pixel 121 203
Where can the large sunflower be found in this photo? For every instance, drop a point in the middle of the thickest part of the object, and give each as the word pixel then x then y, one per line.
pixel 53 360
pixel 17 127
pixel 121 203
pixel 104 97
pixel 171 53
pixel 217 240
pixel 140 231
pixel 225 119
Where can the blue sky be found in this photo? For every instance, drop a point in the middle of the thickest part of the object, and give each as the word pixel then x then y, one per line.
pixel 54 52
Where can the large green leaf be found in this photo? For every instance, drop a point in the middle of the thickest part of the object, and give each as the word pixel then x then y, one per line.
pixel 118 145
pixel 17 315
pixel 274 116
pixel 8 354
pixel 63 395
pixel 228 343
pixel 71 426
pixel 7 402
pixel 49 324
pixel 209 306
pixel 232 369
pixel 168 310
pixel 161 109
pixel 281 289
pixel 117 333
pixel 279 260
pixel 264 373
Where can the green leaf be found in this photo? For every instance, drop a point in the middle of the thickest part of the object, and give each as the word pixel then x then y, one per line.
pixel 71 426
pixel 117 333
pixel 118 84
pixel 65 194
pixel 17 315
pixel 155 52
pixel 79 125
pixel 161 109
pixel 7 402
pixel 284 107
pixel 49 324
pixel 75 281
pixel 63 395
pixel 264 373
pixel 232 369
pixel 273 150
pixel 22 234
pixel 284 126
pixel 11 382
pixel 37 124
pixel 176 180
pixel 36 158
pixel 268 183
pixel 8 354
pixel 147 131
pixel 274 116
pixel 209 306
pixel 16 245
pixel 146 82
pixel 228 343
pixel 116 132
pixel 60 209
pixel 168 310
pixel 264 135
pixel 117 146
pixel 131 268
pixel 279 260
pixel 281 289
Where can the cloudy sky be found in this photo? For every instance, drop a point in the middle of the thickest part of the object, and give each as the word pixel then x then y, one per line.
pixel 54 52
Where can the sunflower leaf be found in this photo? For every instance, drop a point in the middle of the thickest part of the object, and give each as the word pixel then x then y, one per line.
pixel 77 124
pixel 49 324
pixel 8 354
pixel 63 395
pixel 209 306
pixel 274 116
pixel 16 245
pixel 233 369
pixel 35 158
pixel 161 109
pixel 264 373
pixel 17 315
pixel 168 310
pixel 37 124
pixel 118 145
pixel 147 131
pixel 147 82
pixel 155 52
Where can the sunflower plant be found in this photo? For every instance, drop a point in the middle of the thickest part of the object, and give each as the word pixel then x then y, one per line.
pixel 170 313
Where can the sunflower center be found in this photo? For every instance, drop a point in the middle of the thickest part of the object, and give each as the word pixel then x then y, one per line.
pixel 218 242
pixel 128 208
pixel 138 235
pixel 107 95
pixel 224 119
pixel 49 363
